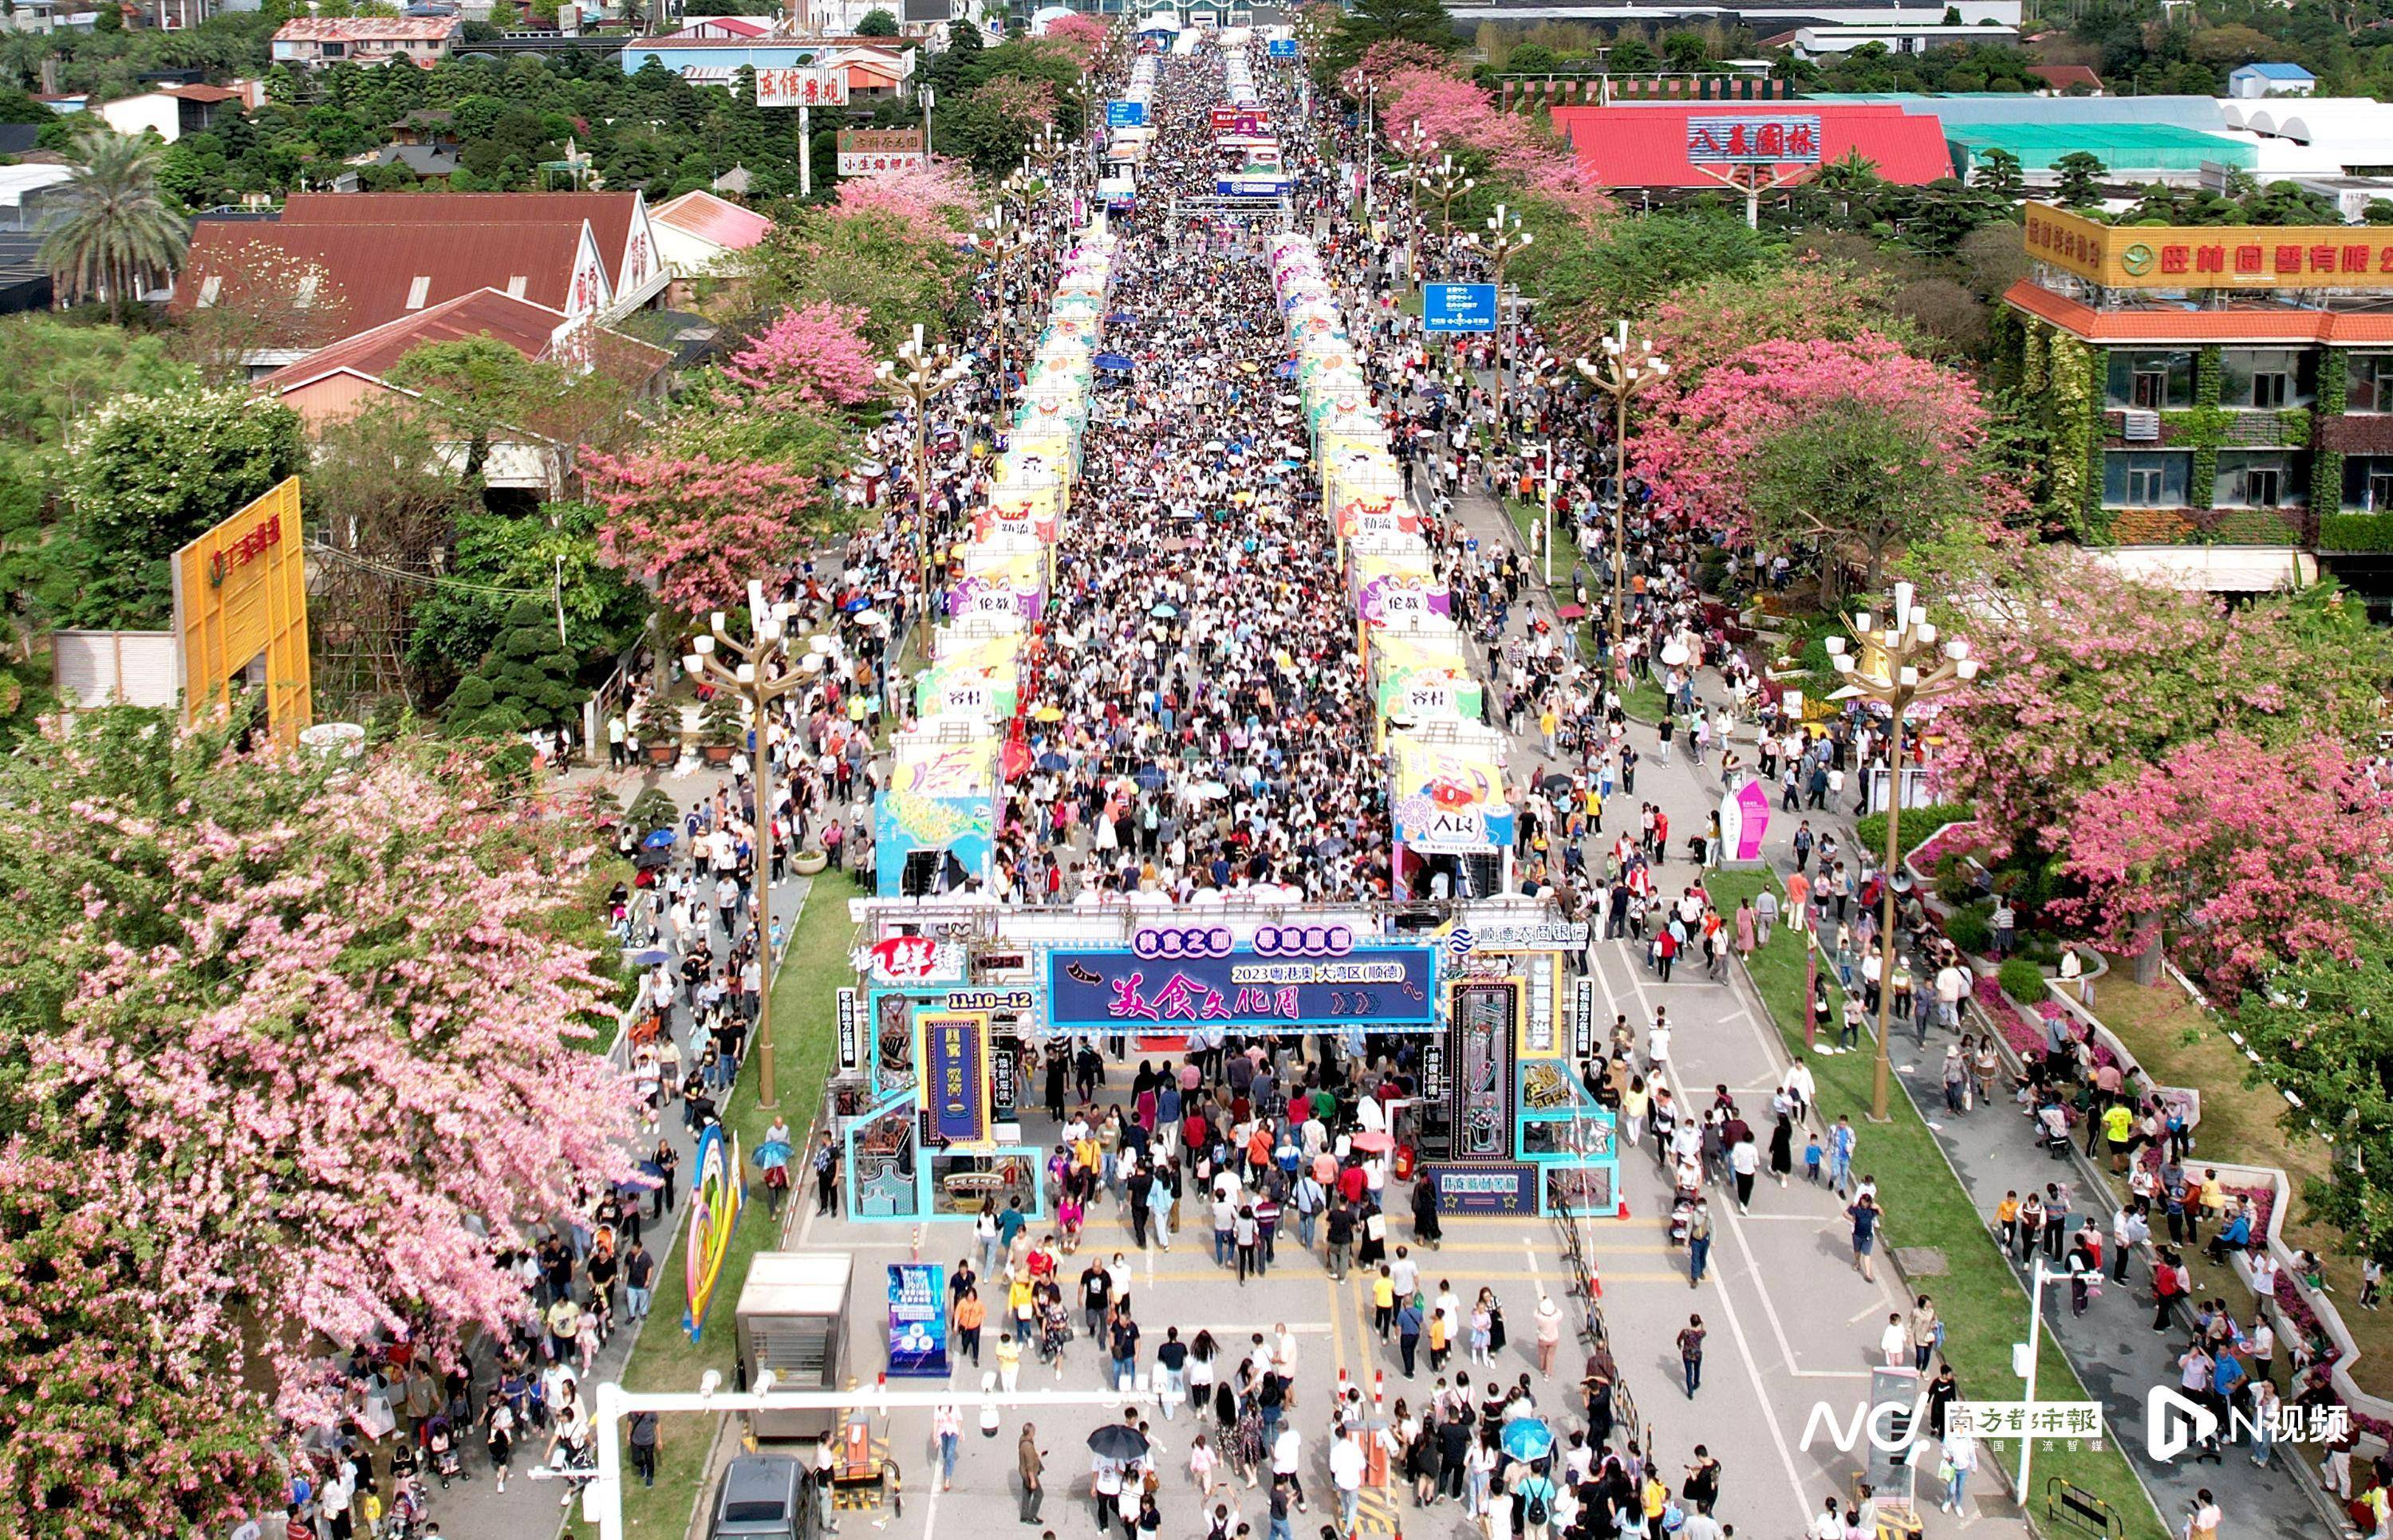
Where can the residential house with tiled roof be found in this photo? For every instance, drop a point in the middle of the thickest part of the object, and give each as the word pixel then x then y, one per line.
pixel 325 281
pixel 312 42
pixel 618 221
pixel 700 235
pixel 336 382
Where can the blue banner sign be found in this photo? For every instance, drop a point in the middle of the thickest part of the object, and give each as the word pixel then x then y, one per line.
pixel 1194 977
pixel 1458 306
pixel 1124 114
pixel 1281 47
pixel 918 1320
pixel 1506 1187
pixel 955 1075
pixel 1249 186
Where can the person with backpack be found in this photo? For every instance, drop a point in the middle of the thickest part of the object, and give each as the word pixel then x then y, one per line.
pixel 1533 1502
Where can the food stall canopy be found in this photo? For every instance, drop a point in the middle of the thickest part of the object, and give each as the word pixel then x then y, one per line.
pixel 1449 791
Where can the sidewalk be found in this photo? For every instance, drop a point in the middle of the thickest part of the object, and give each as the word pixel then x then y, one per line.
pixel 2117 1352
pixel 474 1508
pixel 1791 1322
pixel 2112 1346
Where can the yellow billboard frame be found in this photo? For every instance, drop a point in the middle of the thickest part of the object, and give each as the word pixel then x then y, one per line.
pixel 240 592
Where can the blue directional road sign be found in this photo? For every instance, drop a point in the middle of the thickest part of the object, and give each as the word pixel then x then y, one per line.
pixel 1458 306
pixel 1281 47
pixel 1124 114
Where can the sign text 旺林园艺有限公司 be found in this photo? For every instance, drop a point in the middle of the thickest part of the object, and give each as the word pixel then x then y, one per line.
pixel 2202 257
pixel 1373 986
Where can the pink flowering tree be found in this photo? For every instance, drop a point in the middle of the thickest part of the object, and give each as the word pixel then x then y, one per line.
pixel 1384 59
pixel 1810 299
pixel 814 355
pixel 700 526
pixel 1769 443
pixel 2091 676
pixel 2241 855
pixel 1460 118
pixel 1078 33
pixel 298 1047
pixel 927 200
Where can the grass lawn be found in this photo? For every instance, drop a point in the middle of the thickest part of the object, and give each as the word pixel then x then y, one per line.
pixel 1983 1306
pixel 2179 1044
pixel 805 1034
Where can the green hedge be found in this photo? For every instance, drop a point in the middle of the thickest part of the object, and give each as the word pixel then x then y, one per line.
pixel 2022 981
pixel 1918 823
pixel 2356 532
pixel 1968 927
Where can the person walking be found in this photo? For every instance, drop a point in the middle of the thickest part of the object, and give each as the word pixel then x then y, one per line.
pixel 1549 1334
pixel 1699 1241
pixel 1031 1462
pixel 947 1431
pixel 1691 1353
pixel 1865 1215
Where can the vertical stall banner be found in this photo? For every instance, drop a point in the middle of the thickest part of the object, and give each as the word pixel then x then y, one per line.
pixel 955 1075
pixel 918 1320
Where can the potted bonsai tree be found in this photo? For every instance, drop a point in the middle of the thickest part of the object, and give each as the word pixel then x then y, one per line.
pixel 724 726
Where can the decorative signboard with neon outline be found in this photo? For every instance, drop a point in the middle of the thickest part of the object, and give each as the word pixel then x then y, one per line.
pixel 716 1197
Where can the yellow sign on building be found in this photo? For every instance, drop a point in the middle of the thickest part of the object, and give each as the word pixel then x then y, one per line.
pixel 2211 257
pixel 240 612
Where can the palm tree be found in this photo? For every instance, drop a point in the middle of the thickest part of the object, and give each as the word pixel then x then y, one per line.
pixel 121 237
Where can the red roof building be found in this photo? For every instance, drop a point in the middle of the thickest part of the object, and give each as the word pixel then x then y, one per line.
pixel 335 383
pixel 360 276
pixel 1645 146
pixel 619 221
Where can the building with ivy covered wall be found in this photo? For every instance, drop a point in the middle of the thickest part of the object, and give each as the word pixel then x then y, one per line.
pixel 2217 399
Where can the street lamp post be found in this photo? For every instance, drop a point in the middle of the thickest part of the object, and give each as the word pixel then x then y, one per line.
pixel 752 673
pixel 1001 237
pixel 1621 373
pixel 919 375
pixel 1918 667
pixel 1504 239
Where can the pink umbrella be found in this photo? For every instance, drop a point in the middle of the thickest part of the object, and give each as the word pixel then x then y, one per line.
pixel 1372 1142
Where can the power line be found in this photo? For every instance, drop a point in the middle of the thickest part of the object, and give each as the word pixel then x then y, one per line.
pixel 353 559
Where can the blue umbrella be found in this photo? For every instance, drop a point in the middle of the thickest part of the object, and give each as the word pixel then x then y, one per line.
pixel 1288 370
pixel 1050 761
pixel 775 1153
pixel 1116 361
pixel 1163 612
pixel 1150 778
pixel 856 602
pixel 661 839
pixel 1120 318
pixel 649 957
pixel 1527 1439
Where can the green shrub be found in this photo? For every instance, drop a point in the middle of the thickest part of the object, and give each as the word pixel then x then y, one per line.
pixel 2041 950
pixel 1969 929
pixel 2022 981
pixel 1918 823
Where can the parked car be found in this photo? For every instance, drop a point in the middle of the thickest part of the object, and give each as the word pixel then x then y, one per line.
pixel 760 1500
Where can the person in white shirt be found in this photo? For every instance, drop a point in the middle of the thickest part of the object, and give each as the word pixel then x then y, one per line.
pixel 1346 1475
pixel 1827 1524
